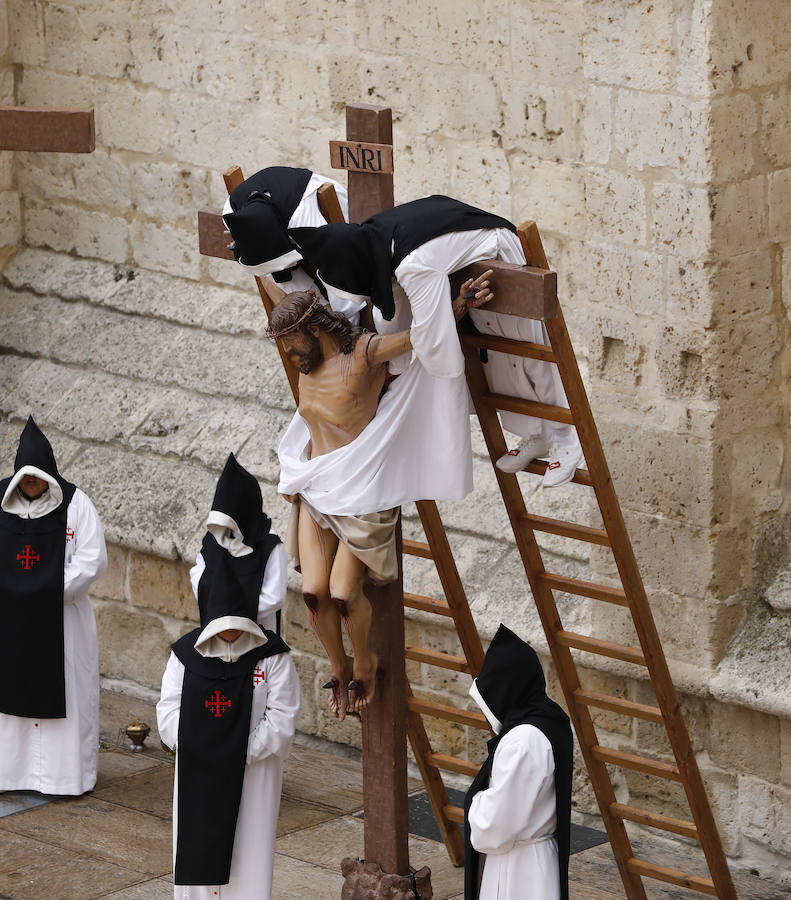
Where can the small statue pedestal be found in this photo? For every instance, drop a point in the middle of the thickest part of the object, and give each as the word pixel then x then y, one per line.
pixel 367 881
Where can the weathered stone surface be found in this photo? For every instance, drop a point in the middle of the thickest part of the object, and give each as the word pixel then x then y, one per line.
pixel 616 206
pixel 113 584
pixel 162 585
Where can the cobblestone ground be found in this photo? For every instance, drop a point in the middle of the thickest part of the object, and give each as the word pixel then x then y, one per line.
pixel 116 841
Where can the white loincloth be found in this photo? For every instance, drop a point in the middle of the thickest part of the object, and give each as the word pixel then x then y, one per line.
pixel 416 447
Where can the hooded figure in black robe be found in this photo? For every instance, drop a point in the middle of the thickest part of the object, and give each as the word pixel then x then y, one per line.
pixel 229 742
pixel 518 808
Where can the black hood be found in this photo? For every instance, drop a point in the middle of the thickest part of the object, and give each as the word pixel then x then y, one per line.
pixel 35 450
pixel 261 208
pixel 238 495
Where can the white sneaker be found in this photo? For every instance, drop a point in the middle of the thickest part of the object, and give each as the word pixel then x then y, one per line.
pixel 528 450
pixel 563 463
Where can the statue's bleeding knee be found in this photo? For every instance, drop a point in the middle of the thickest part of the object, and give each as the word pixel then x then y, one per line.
pixel 311 601
pixel 341 606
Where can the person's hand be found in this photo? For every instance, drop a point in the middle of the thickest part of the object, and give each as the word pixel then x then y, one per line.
pixel 474 293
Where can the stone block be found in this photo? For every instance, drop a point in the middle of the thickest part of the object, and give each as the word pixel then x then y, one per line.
pixel 62 33
pixel 785 751
pixel 108 52
pixel 615 205
pixel 26 31
pixel 101 408
pixel 12 375
pixel 308 716
pixel 744 741
pixel 166 248
pixel 130 118
pixel 133 645
pixel 693 30
pixel 786 280
pixel 174 421
pixel 96 179
pixel 765 811
pixel 620 278
pixel 33 324
pixel 259 451
pixel 45 87
pixel 779 184
pixel 597 124
pixel 480 174
pixel 670 133
pixel 45 272
pixel 162 585
pixel 168 191
pixel 552 194
pixel 617 353
pixel 113 584
pixel 744 286
pixel 226 429
pixel 776 127
pixel 747 44
pixel 10 219
pixel 423 165
pixel 683 363
pixel 80 231
pixel 545 118
pixel 723 791
pixel 738 220
pixel 547 41
pixel 630 44
pixel 756 465
pixel 681 219
pixel 733 123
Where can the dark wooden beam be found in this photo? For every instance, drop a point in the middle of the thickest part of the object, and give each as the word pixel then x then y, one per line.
pixel 213 237
pixel 369 193
pixel 47 130
pixel 518 290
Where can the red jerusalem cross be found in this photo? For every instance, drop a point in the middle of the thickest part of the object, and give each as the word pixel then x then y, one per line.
pixel 258 675
pixel 218 703
pixel 29 558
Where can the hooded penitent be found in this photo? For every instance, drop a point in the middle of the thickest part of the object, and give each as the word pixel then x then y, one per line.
pixel 511 691
pixel 357 261
pixel 32 553
pixel 257 214
pixel 217 693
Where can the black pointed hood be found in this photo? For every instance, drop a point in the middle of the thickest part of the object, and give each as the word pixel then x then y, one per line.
pixel 511 691
pixel 257 215
pixel 35 450
pixel 238 496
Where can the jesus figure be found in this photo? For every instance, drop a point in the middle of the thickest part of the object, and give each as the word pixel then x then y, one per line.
pixel 342 379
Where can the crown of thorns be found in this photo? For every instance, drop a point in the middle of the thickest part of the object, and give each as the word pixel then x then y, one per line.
pixel 270 332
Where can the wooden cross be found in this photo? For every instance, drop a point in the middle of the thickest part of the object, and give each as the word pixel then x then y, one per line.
pixel 47 130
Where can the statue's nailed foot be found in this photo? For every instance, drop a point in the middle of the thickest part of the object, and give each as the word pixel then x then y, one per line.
pixel 338 701
pixel 363 686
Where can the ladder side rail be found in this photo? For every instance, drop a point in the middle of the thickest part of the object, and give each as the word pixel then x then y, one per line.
pixel 435 786
pixel 642 616
pixel 550 620
pixel 451 584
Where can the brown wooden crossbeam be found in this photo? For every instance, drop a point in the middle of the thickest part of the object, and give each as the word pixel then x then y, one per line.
pixel 47 130
pixel 518 290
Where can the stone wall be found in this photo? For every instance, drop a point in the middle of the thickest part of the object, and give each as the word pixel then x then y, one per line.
pixel 650 142
pixel 10 223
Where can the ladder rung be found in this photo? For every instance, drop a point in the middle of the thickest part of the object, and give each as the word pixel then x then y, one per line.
pixel 427 604
pixel 417 548
pixel 539 466
pixel 585 588
pixel 454 813
pixel 450 713
pixel 507 345
pixel 567 529
pixel 530 408
pixel 453 764
pixel 601 648
pixel 671 876
pixel 637 763
pixel 436 658
pixel 654 820
pixel 618 705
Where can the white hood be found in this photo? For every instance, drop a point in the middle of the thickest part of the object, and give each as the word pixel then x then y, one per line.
pixel 13 502
pixel 497 725
pixel 227 533
pixel 210 644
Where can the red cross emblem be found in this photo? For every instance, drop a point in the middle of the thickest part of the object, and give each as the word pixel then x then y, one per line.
pixel 29 558
pixel 218 703
pixel 554 465
pixel 259 675
pixel 69 534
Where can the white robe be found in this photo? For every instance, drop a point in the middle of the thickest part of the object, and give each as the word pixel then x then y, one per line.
pixel 423 275
pixel 273 587
pixel 514 821
pixel 60 756
pixel 276 699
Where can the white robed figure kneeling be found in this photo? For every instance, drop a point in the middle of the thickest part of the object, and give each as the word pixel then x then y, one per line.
pixel 51 551
pixel 518 808
pixel 230 697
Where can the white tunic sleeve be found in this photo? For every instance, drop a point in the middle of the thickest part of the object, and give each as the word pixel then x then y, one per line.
pixel 273 734
pixel 273 587
pixel 169 705
pixel 86 554
pixel 523 769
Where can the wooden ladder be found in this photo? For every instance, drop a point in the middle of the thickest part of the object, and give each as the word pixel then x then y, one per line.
pixel 542 584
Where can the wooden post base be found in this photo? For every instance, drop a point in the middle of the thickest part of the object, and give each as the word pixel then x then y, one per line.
pixel 367 881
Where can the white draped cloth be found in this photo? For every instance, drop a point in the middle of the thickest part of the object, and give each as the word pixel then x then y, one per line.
pixel 276 698
pixel 60 756
pixel 514 821
pixel 416 447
